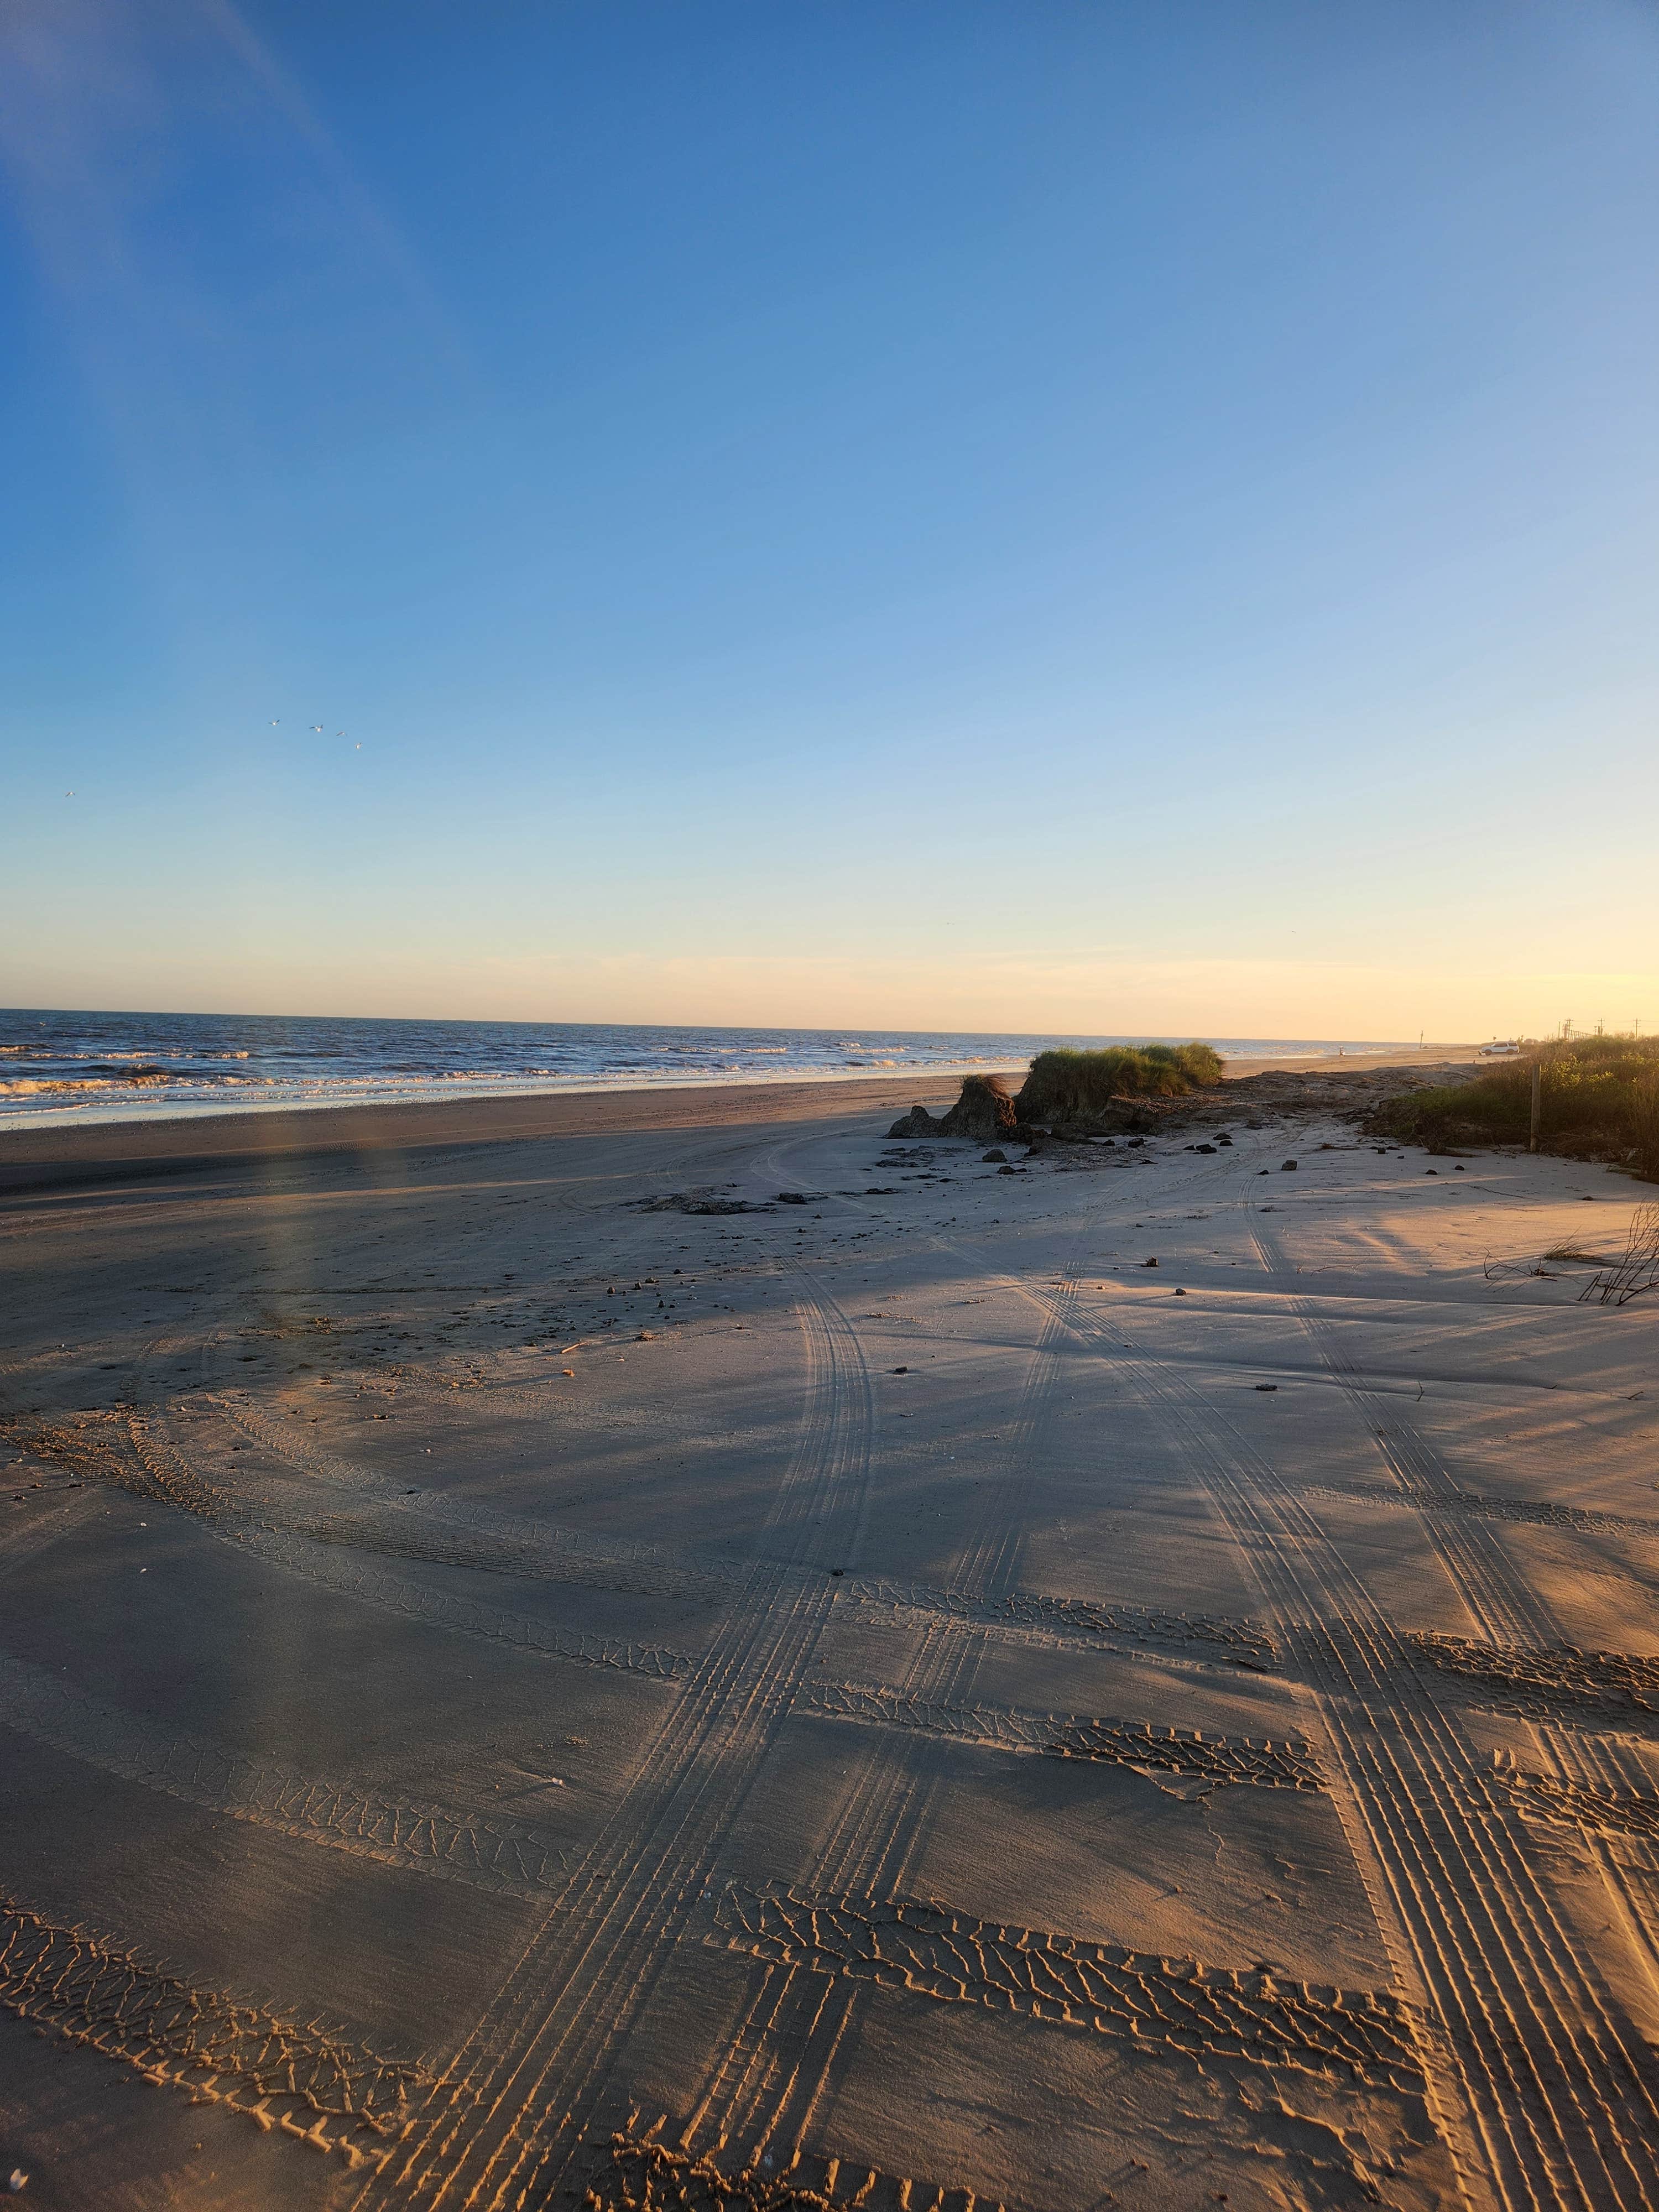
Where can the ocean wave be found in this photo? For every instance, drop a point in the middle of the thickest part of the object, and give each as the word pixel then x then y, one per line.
pixel 30 1086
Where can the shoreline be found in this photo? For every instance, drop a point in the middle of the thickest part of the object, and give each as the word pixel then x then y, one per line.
pixel 32 1158
pixel 111 1114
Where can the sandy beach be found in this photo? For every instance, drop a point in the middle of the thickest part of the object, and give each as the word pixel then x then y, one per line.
pixel 671 1649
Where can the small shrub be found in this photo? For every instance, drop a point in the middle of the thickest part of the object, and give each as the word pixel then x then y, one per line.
pixel 1068 1086
pixel 1201 1064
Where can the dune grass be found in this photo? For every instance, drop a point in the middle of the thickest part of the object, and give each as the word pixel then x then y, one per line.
pixel 1068 1085
pixel 1599 1098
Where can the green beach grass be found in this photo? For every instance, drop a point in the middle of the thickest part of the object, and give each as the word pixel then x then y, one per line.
pixel 1599 1098
pixel 1066 1085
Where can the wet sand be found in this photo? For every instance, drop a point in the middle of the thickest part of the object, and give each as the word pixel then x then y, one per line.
pixel 32 1155
pixel 532 1664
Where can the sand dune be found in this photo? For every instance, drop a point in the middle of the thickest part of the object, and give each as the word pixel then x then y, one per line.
pixel 515 1690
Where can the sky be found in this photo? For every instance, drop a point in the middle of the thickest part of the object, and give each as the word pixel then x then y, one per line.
pixel 1042 517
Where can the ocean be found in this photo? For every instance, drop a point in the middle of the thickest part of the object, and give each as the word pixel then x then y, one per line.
pixel 58 1067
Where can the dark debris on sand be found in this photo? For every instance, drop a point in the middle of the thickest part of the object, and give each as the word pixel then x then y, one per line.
pixel 988 1110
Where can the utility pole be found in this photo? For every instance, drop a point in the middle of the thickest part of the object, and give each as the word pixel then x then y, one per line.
pixel 1537 1103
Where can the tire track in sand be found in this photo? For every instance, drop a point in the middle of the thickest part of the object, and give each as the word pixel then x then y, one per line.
pixel 1223 1760
pixel 1497 1595
pixel 379 1514
pixel 513 2106
pixel 798 2031
pixel 1261 2017
pixel 487 1850
pixel 1538 2080
pixel 135 1451
pixel 282 2069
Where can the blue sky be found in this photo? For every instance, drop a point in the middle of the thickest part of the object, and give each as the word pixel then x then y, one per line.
pixel 1025 516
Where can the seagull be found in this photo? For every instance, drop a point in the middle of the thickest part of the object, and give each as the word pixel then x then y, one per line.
pixel 69 794
pixel 276 725
pixel 318 727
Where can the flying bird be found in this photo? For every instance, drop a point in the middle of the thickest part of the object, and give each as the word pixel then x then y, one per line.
pixel 318 727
